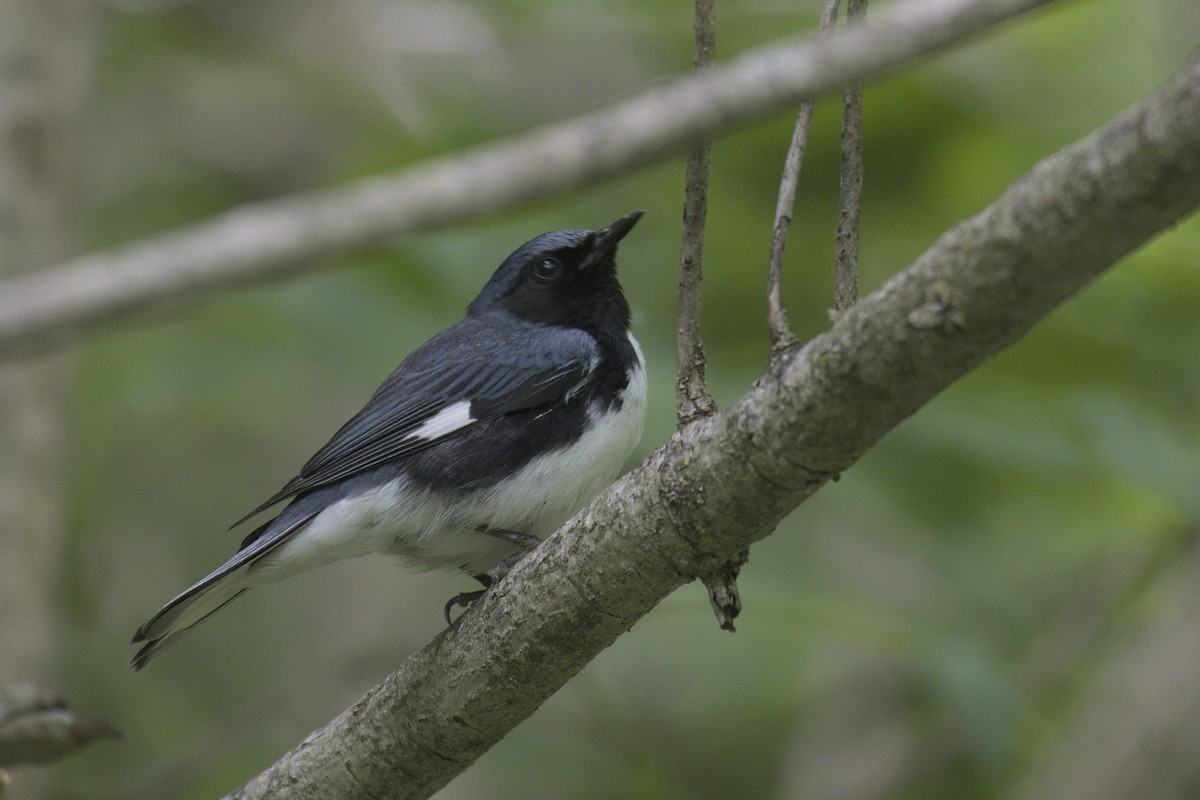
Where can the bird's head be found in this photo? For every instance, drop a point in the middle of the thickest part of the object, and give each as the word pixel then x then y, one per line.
pixel 566 278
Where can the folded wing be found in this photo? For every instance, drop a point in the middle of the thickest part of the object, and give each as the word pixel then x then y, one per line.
pixel 444 388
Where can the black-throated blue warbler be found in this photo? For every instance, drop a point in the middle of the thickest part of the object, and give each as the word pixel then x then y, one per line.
pixel 484 440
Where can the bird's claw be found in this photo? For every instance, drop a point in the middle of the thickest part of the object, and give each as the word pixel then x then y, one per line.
pixel 463 600
pixel 525 541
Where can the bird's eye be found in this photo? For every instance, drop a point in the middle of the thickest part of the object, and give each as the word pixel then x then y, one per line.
pixel 548 270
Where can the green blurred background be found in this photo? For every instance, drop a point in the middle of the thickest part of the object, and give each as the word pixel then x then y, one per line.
pixel 947 621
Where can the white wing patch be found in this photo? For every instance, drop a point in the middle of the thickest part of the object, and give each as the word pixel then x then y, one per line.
pixel 587 377
pixel 450 419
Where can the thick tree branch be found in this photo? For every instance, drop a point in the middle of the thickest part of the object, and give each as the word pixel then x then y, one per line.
pixel 275 238
pixel 727 480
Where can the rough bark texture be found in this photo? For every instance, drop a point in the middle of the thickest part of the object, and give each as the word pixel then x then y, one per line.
pixel 726 480
pixel 275 238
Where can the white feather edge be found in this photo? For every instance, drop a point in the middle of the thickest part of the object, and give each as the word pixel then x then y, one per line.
pixel 453 417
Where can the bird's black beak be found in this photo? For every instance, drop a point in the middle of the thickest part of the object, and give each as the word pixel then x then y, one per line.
pixel 606 239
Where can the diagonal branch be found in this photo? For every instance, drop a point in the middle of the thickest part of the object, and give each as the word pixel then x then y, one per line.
pixel 280 237
pixel 725 481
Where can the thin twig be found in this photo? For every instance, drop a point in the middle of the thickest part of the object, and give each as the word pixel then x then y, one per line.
pixel 846 266
pixel 691 398
pixel 777 321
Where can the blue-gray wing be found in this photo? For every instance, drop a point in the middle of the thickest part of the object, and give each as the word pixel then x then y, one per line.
pixel 467 374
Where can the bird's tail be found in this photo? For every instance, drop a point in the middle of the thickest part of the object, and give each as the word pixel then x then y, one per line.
pixel 210 595
pixel 183 613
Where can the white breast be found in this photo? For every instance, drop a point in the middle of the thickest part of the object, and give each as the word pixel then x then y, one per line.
pixel 560 483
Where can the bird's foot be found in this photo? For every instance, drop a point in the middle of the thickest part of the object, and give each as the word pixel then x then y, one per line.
pixel 525 541
pixel 462 600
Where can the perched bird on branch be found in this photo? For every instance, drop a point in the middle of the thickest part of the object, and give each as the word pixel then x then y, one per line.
pixel 483 441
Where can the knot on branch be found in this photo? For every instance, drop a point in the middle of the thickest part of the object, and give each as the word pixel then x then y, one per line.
pixel 682 496
pixel 702 558
pixel 721 584
pixel 939 311
pixel 784 345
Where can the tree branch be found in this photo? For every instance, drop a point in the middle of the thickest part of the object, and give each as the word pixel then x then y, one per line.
pixel 691 397
pixel 845 282
pixel 782 338
pixel 37 727
pixel 275 238
pixel 728 479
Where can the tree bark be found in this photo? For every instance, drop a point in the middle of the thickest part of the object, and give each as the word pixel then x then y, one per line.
pixel 725 481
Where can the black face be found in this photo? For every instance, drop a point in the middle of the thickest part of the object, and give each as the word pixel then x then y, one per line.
pixel 566 278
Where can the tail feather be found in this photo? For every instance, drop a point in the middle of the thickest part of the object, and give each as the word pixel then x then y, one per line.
pixel 210 595
pixel 167 634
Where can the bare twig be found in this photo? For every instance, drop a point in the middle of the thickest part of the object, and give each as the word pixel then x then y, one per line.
pixel 782 338
pixel 275 238
pixel 723 594
pixel 691 398
pixel 850 205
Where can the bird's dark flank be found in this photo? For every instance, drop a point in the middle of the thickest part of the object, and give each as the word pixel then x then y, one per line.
pixel 496 430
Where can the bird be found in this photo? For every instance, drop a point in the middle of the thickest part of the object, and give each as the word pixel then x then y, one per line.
pixel 484 441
